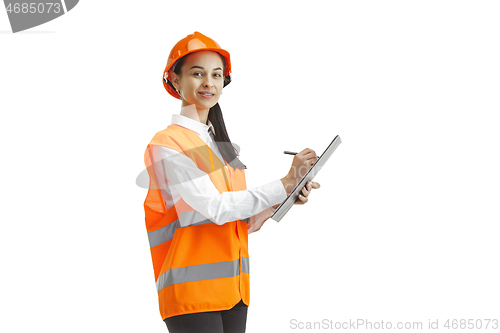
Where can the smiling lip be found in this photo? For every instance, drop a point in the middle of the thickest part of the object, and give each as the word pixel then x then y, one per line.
pixel 206 94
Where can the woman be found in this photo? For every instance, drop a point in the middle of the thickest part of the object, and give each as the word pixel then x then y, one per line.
pixel 198 210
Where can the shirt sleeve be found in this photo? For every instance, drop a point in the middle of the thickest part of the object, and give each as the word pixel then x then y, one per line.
pixel 198 191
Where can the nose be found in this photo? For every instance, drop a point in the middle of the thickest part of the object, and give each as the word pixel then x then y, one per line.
pixel 208 82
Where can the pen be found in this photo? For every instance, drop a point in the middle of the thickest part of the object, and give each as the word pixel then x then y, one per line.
pixel 289 152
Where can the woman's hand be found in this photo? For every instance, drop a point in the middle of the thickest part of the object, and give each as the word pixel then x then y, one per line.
pixel 306 190
pixel 302 162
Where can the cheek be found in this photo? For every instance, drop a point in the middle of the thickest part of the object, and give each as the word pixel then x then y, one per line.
pixel 189 85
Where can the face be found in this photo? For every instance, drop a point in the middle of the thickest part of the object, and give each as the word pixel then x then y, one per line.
pixel 201 79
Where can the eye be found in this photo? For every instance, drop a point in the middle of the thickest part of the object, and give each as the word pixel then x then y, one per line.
pixel 196 74
pixel 217 75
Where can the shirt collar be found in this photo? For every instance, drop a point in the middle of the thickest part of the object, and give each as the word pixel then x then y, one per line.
pixel 194 125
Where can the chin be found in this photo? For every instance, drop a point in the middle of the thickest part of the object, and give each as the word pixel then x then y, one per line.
pixel 207 104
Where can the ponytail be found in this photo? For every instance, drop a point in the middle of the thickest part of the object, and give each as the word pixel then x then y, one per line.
pixel 226 148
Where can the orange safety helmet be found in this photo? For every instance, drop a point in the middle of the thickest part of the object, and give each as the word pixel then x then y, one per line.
pixel 190 44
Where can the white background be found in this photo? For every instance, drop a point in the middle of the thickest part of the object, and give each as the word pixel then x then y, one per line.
pixel 403 228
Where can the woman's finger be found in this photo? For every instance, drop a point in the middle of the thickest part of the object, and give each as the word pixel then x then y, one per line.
pixel 305 192
pixel 303 198
pixel 300 200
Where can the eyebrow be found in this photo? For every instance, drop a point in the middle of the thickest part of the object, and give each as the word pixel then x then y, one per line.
pixel 218 68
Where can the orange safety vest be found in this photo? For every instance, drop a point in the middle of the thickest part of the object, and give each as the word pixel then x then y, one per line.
pixel 204 266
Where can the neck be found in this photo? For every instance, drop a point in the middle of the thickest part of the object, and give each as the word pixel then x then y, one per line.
pixel 192 112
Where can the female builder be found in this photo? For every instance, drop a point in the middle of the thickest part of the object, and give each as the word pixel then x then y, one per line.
pixel 198 210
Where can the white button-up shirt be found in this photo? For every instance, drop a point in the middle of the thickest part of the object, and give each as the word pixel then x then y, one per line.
pixel 178 176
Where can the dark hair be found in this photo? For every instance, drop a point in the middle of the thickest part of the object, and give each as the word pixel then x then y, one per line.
pixel 226 148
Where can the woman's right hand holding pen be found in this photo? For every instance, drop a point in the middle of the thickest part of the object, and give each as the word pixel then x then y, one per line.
pixel 301 163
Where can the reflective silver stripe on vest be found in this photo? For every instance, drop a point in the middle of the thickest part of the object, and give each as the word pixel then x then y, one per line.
pixel 216 270
pixel 245 265
pixel 163 234
pixel 192 217
pixel 187 219
pixel 166 233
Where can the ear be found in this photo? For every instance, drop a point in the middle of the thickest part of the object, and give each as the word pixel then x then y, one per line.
pixel 175 80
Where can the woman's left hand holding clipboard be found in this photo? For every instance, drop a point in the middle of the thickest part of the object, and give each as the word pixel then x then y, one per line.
pixel 306 190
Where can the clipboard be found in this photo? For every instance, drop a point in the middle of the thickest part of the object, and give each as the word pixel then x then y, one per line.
pixel 285 206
